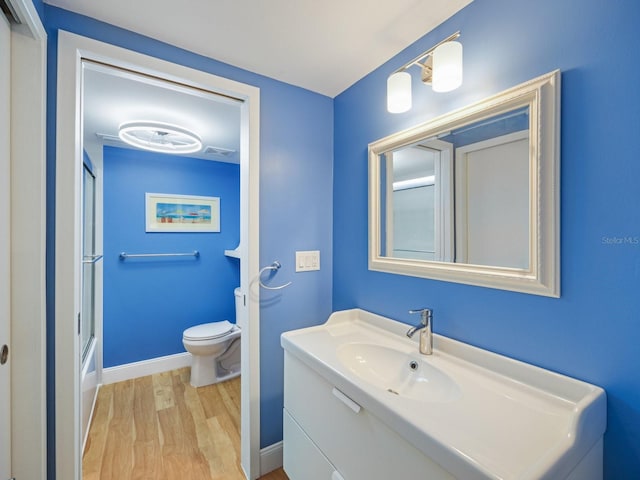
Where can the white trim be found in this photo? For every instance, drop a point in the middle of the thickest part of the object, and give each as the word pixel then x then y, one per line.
pixel 28 240
pixel 271 458
pixel 444 217
pixel 145 367
pixel 72 49
pixel 249 317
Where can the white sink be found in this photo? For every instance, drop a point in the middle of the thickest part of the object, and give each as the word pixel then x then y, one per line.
pixel 398 372
pixel 476 413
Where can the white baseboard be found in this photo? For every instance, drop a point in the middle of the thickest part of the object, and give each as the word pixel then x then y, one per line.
pixel 146 367
pixel 270 458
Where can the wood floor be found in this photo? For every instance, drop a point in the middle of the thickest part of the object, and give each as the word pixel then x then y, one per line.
pixel 160 427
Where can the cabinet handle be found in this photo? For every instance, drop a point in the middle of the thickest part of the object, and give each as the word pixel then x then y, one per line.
pixel 347 401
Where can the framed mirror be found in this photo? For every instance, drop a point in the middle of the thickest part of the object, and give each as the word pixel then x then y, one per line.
pixel 473 195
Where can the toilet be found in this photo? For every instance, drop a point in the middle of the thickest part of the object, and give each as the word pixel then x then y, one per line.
pixel 215 352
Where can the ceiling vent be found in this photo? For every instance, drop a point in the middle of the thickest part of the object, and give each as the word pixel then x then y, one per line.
pixel 109 138
pixel 219 151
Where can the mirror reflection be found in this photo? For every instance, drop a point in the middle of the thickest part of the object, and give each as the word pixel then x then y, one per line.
pixel 460 196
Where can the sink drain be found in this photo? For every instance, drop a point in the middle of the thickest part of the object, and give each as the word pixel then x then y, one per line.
pixel 413 365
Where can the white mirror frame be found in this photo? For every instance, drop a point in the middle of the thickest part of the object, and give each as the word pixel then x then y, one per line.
pixel 542 277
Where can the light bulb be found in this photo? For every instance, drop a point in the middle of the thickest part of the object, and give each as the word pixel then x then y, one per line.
pixel 447 67
pixel 399 92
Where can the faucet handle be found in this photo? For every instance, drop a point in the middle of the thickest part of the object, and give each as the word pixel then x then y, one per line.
pixel 425 314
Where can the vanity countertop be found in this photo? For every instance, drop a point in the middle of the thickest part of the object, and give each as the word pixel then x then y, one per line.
pixel 476 413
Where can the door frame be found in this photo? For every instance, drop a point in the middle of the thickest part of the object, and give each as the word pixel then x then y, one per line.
pixel 28 242
pixel 72 50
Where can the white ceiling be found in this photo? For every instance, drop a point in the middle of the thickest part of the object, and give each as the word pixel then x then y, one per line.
pixel 112 97
pixel 321 45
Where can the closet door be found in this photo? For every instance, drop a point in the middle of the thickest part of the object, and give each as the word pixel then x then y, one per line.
pixel 5 271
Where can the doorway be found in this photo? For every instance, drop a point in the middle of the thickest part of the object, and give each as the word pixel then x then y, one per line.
pixel 73 50
pixel 157 287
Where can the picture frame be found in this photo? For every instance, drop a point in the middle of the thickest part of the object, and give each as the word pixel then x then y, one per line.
pixel 181 213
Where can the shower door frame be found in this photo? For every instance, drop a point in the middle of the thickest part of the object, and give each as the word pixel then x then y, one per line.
pixel 89 259
pixel 72 50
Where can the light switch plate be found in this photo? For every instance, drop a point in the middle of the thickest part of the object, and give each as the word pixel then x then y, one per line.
pixel 307 261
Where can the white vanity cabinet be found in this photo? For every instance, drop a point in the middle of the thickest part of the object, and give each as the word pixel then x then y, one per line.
pixel 328 436
pixel 361 403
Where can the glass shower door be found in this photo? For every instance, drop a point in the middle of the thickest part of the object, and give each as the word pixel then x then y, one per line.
pixel 89 259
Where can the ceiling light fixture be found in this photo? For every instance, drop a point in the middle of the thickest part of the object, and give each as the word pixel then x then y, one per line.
pixel 441 67
pixel 159 137
pixel 414 183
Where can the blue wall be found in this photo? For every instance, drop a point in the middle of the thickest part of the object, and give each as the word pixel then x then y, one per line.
pixel 589 333
pixel 149 302
pixel 296 201
pixel 592 331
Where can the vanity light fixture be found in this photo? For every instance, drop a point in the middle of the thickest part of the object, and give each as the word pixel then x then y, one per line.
pixel 441 67
pixel 159 137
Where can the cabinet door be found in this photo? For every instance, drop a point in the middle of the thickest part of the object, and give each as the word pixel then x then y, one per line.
pixel 302 459
pixel 358 444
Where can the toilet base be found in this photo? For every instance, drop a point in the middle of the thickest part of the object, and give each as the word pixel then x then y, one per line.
pixel 211 369
pixel 203 370
pixel 203 375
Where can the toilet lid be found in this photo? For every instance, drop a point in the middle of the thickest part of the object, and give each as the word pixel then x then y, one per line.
pixel 207 331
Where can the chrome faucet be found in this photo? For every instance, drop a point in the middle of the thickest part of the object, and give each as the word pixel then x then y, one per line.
pixel 426 337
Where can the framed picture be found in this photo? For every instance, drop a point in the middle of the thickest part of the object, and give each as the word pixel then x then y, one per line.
pixel 181 213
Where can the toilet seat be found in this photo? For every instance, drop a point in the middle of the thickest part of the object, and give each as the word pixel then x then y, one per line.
pixel 208 331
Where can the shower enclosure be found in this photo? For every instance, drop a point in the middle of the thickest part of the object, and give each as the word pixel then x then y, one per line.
pixel 89 260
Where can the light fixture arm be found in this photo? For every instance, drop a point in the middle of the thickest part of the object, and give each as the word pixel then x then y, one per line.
pixel 426 55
